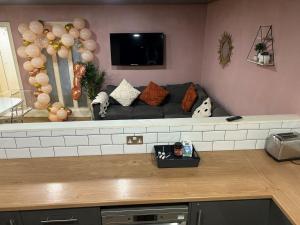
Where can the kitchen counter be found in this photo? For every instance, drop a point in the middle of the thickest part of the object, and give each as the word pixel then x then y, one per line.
pixel 27 184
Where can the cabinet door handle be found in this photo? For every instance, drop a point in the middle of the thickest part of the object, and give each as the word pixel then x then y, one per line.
pixel 199 219
pixel 11 222
pixel 72 220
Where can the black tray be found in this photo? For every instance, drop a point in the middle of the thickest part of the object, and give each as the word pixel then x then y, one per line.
pixel 174 161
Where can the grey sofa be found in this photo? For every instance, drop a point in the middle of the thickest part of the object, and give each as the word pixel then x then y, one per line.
pixel 170 108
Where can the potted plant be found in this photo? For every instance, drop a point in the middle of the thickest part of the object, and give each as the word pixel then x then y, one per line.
pixel 264 58
pixel 259 48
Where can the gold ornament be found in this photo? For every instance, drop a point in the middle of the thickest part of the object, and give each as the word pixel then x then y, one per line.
pixel 26 43
pixel 69 26
pixel 43 67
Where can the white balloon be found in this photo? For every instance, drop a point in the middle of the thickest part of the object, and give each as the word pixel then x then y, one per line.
pixel 22 28
pixel 21 52
pixel 74 32
pixel 36 27
pixel 32 80
pixel 79 23
pixel 28 66
pixel 28 35
pixel 50 36
pixel 90 45
pixel 46 89
pixel 51 50
pixel 32 50
pixel 85 34
pixel 43 99
pixel 87 56
pixel 41 41
pixel 63 52
pixel 58 30
pixel 37 62
pixel 67 40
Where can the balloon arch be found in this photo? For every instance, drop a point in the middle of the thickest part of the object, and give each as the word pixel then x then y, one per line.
pixel 56 39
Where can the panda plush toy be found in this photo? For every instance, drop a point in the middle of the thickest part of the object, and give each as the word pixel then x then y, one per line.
pixel 204 110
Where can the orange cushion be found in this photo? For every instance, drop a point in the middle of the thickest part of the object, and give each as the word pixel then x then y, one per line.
pixel 153 94
pixel 189 98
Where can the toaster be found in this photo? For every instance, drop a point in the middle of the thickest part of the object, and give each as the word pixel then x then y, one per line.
pixel 283 146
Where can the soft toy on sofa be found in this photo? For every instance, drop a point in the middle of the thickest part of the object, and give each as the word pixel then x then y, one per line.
pixel 204 110
pixel 103 99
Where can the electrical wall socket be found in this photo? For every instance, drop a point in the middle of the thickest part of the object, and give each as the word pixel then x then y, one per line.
pixel 135 140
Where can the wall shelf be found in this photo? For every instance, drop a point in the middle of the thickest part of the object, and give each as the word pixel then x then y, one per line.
pixel 260 64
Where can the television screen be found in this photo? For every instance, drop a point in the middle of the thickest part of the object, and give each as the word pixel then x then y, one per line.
pixel 137 49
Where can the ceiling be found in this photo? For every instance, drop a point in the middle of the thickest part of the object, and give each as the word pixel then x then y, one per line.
pixel 95 2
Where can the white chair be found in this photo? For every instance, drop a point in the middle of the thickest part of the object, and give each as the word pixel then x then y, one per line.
pixel 17 112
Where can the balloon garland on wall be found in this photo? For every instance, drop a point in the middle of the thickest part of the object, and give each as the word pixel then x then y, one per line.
pixel 56 39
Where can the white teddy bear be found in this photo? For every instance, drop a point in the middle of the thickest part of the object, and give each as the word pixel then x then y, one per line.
pixel 204 110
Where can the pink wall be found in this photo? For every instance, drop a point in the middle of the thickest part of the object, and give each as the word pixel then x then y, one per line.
pixel 242 87
pixel 183 26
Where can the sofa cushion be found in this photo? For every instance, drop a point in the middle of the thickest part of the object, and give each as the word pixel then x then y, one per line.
pixel 125 94
pixel 109 90
pixel 174 110
pixel 118 112
pixel 202 95
pixel 176 92
pixel 147 112
pixel 189 98
pixel 153 94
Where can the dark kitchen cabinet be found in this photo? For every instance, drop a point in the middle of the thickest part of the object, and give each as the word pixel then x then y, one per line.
pixel 246 212
pixel 78 216
pixel 10 218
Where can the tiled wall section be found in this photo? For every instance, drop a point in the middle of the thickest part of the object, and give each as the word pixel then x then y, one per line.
pixel 104 141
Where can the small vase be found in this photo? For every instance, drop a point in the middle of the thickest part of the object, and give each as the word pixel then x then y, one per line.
pixel 267 59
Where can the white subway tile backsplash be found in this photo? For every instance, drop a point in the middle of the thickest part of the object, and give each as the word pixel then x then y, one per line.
pixel 111 130
pixel 149 137
pixel 89 150
pixel 158 129
pixel 2 154
pixel 120 138
pixel 245 145
pixel 99 139
pixel 213 135
pixel 203 128
pixel 257 134
pixel 248 126
pixel 65 151
pixel 39 133
pixel 14 134
pixel 135 149
pixel 223 145
pixel 7 143
pixel 191 136
pixel 52 141
pixel 181 128
pixel 42 152
pixel 150 148
pixel 19 153
pixel 28 142
pixel 63 132
pixel 278 131
pixel 260 144
pixel 168 137
pixel 112 149
pixel 87 131
pixel 203 146
pixel 226 127
pixel 291 124
pixel 236 135
pixel 135 130
pixel 270 125
pixel 76 140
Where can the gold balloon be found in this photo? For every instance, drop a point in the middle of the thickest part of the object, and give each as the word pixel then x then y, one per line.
pixel 37 85
pixel 37 93
pixel 56 46
pixel 51 42
pixel 43 67
pixel 46 31
pixel 69 26
pixel 26 43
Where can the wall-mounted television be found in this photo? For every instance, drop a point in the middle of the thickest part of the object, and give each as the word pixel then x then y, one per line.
pixel 137 49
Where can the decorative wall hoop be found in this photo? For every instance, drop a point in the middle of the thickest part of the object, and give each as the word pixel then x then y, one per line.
pixel 225 49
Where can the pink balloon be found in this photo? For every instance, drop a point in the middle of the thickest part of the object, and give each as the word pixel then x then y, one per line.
pixel 63 52
pixel 37 62
pixel 51 50
pixel 85 34
pixel 53 118
pixel 28 66
pixel 79 23
pixel 36 27
pixel 67 40
pixel 22 28
pixel 43 99
pixel 42 79
pixel 57 105
pixel 21 52
pixel 74 32
pixel 62 114
pixel 58 30
pixel 38 105
pixel 90 45
pixel 32 80
pixel 44 58
pixel 87 56
pixel 50 36
pixel 46 89
pixel 32 50
pixel 28 35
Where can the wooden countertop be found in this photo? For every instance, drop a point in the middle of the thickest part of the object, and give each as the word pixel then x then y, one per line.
pixel 134 179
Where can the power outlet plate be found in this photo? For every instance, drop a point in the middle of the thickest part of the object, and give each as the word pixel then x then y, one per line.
pixel 135 140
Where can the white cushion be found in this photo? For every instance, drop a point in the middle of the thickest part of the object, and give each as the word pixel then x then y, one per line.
pixel 204 110
pixel 125 94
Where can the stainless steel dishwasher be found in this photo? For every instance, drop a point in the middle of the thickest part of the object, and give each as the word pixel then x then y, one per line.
pixel 162 215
